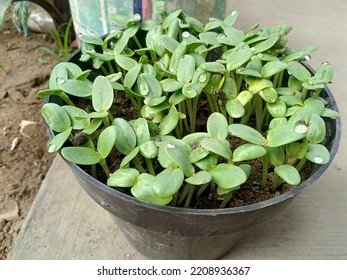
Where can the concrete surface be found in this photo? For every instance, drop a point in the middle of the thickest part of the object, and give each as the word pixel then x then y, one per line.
pixel 64 223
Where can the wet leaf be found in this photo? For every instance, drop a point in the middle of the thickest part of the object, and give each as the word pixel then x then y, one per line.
pixel 217 126
pixel 228 176
pixel 248 152
pixel 123 178
pixel 273 67
pixel 168 182
pixel 141 129
pixel 180 159
pixel 200 178
pixel 246 133
pixel 169 122
pixel 259 84
pixel 106 141
pixel 289 174
pixel 269 94
pixel 234 108
pixel 103 94
pixel 58 140
pixel 282 135
pixel 149 149
pixel 171 85
pixel 73 112
pixel 81 155
pixel 239 56
pixel 126 137
pixel 299 71
pixel 143 190
pixel 169 43
pixel 76 87
pixel 316 131
pixel 278 109
pixel 56 117
pixel 186 69
pixel 216 146
pixel 129 157
pixel 318 154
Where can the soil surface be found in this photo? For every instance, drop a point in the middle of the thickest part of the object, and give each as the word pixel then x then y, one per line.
pixel 24 69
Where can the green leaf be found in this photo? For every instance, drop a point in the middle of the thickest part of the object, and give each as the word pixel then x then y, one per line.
pixel 73 112
pixel 143 190
pixel 126 137
pixel 269 94
pixel 172 16
pixel 125 62
pixel 76 87
pixel 228 176
pixel 90 39
pixel 324 73
pixel 246 133
pixel 239 56
pixel 185 69
pixel 149 149
pixel 179 158
pixel 56 117
pixel 58 140
pixel 278 109
pixel 282 135
pixel 265 45
pixel 316 131
pixel 169 43
pixel 276 155
pixel 209 38
pixel 149 86
pixel 315 105
pixel 131 76
pixel 259 84
pixel 106 141
pixel 299 71
pixel 330 114
pixel 273 67
pixel 213 67
pixel 129 157
pixel 234 108
pixel 296 150
pixel 191 90
pixel 179 52
pixel 318 154
pixel 217 126
pixel 244 97
pixel 288 173
pixel 121 42
pixel 171 85
pixel 168 182
pixel 200 178
pixel 81 155
pixel 123 178
pixel 103 94
pixel 207 163
pixel 169 122
pixel 193 139
pixel 230 88
pixel 93 126
pixel 198 154
pixel 216 146
pixel 248 152
pixel 141 129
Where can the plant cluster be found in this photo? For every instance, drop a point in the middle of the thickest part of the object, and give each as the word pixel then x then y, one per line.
pixel 176 72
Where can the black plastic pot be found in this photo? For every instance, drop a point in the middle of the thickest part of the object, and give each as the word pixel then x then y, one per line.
pixel 163 232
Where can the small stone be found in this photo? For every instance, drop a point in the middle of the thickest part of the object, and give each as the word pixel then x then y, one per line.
pixel 9 210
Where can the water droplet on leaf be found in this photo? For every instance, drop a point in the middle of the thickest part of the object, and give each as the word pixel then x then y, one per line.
pixel 300 128
pixel 170 146
pixel 202 78
pixel 186 34
pixel 318 160
pixel 221 36
pixel 60 80
pixel 307 57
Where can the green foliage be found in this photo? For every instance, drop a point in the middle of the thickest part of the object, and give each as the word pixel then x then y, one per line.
pixel 254 96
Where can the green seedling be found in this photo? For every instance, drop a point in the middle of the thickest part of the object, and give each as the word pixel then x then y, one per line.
pixel 256 100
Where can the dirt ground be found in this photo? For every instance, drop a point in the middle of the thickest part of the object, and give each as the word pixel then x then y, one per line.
pixel 24 69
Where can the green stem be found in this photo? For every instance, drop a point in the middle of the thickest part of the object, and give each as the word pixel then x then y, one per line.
pixel 103 70
pixel 93 171
pixel 105 167
pixel 265 170
pixel 202 188
pixel 303 94
pixel 215 103
pixel 190 196
pixel 150 166
pixel 226 199
pixel 183 195
pixel 280 79
pixel 258 111
pixel 238 82
pixel 301 164
pixel 109 64
pixel 210 103
pixel 66 99
pixel 139 165
pixel 106 121
pixel 137 42
pixel 275 183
